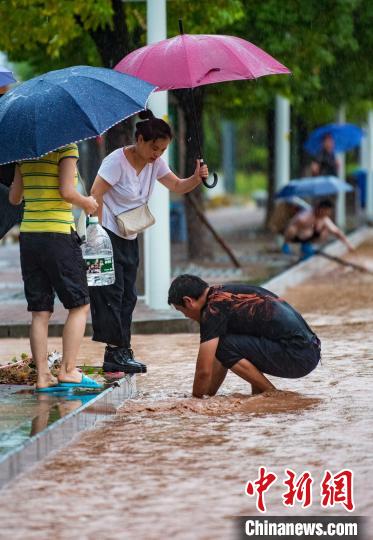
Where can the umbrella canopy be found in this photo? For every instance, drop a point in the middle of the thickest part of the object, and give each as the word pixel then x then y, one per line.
pixel 6 76
pixel 346 137
pixel 65 106
pixel 10 214
pixel 187 61
pixel 318 186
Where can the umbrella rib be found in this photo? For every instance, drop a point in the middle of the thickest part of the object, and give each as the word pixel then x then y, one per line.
pixel 82 110
pixel 187 59
pixel 141 108
pixel 230 51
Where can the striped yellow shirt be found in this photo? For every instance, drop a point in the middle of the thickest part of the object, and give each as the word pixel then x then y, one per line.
pixel 45 209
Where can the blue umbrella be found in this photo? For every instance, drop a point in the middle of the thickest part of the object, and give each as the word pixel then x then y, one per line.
pixel 6 76
pixel 65 106
pixel 318 186
pixel 346 137
pixel 10 215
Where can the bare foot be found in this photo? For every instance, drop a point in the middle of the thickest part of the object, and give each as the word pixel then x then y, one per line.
pixel 74 376
pixel 45 380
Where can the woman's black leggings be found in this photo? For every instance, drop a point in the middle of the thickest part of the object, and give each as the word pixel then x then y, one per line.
pixel 112 306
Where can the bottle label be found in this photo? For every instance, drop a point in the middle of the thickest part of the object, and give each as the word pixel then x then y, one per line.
pixel 99 265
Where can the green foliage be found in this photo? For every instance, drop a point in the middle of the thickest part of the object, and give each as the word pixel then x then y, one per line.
pixel 204 16
pixel 247 184
pixel 51 34
pixel 27 26
pixel 320 43
pixel 311 39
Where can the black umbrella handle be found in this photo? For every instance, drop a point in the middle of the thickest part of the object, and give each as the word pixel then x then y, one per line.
pixel 204 180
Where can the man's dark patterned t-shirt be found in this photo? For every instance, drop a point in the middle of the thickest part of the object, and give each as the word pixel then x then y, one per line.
pixel 253 311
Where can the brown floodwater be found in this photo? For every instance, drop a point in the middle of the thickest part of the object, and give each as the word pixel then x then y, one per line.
pixel 169 466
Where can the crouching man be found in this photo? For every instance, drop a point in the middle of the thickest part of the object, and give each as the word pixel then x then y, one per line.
pixel 246 329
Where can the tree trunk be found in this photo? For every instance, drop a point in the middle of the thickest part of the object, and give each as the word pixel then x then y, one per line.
pixel 303 157
pixel 271 162
pixel 119 135
pixel 113 42
pixel 199 239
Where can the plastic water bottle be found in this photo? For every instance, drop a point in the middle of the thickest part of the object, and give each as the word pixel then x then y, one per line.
pixel 98 255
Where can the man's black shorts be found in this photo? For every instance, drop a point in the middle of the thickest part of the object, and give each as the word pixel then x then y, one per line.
pixel 53 263
pixel 290 359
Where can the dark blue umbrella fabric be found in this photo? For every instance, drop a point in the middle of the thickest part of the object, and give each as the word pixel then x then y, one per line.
pixel 65 106
pixel 346 137
pixel 6 76
pixel 318 186
pixel 10 214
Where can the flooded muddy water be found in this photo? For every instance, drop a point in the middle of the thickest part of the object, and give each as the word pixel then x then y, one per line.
pixel 169 466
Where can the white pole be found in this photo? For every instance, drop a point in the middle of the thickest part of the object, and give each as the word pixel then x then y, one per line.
pixel 369 199
pixel 282 142
pixel 157 251
pixel 340 213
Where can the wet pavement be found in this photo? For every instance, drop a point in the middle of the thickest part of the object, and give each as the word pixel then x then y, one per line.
pixel 24 413
pixel 238 224
pixel 169 466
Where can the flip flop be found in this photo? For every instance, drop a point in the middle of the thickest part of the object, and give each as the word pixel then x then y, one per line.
pixel 86 382
pixel 54 388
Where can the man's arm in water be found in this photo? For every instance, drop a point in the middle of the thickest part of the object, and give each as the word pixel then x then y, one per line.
pixel 204 367
pixel 335 231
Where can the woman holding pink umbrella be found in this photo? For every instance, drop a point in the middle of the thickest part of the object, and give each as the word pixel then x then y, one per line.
pixel 122 189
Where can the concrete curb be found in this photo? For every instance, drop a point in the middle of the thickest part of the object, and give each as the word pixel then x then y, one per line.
pixel 61 432
pixel 168 325
pixel 145 326
pixel 304 270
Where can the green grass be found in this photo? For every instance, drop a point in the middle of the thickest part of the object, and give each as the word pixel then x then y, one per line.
pixel 246 183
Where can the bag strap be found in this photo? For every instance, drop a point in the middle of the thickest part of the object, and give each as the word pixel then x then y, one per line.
pixel 150 185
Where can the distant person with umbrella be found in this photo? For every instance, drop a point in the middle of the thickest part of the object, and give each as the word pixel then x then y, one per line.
pixel 124 182
pixel 325 162
pixel 324 141
pixel 313 225
pixel 51 259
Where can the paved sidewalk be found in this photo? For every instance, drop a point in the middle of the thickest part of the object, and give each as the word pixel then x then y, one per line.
pixel 15 320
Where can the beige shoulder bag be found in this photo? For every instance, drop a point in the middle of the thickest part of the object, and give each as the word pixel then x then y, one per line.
pixel 136 220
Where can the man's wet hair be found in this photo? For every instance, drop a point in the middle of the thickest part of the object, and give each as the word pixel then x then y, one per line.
pixel 186 285
pixel 325 203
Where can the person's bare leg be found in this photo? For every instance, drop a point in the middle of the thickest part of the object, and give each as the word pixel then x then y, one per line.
pixel 40 420
pixel 246 370
pixel 217 377
pixel 255 390
pixel 72 337
pixel 39 348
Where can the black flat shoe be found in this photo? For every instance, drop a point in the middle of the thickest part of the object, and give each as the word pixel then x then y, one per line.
pixel 120 360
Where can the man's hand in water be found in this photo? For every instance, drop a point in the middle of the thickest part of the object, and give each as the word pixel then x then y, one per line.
pixel 204 367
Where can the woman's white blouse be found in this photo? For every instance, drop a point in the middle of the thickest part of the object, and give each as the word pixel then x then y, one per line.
pixel 128 190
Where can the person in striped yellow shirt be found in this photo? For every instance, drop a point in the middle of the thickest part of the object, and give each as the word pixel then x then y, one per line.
pixel 51 258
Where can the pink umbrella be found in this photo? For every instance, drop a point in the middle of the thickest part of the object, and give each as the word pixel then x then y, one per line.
pixel 188 61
